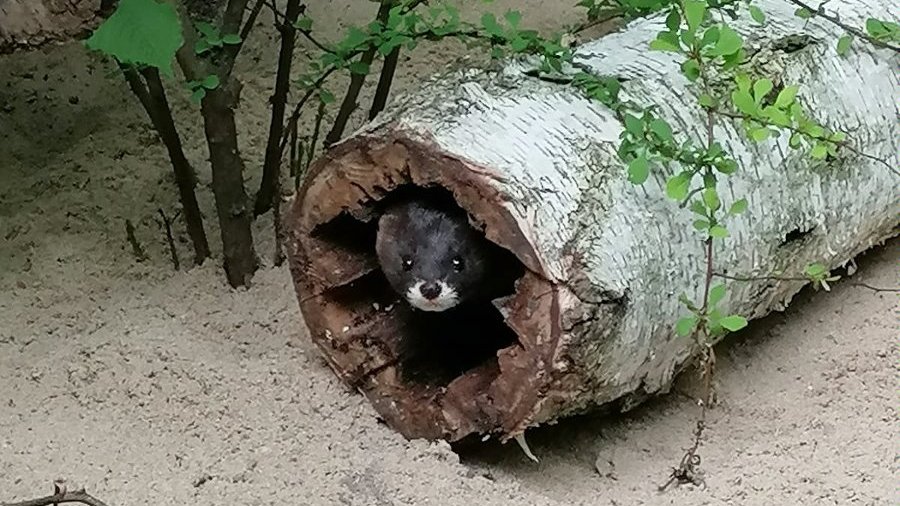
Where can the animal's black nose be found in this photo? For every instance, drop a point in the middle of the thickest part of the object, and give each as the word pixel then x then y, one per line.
pixel 430 290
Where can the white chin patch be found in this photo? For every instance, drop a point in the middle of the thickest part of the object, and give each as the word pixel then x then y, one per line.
pixel 444 301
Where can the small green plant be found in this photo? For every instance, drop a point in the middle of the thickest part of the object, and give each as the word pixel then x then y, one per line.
pixel 199 88
pixel 211 38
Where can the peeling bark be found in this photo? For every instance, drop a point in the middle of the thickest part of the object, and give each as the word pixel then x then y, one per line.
pixel 30 24
pixel 535 164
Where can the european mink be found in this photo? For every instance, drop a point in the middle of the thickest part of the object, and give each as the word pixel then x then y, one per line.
pixel 433 257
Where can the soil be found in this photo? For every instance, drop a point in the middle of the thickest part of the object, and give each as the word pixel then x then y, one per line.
pixel 150 386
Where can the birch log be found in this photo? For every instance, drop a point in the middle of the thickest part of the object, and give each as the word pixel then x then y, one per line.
pixel 534 164
pixel 29 24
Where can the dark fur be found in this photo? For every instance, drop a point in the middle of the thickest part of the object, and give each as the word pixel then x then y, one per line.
pixel 432 237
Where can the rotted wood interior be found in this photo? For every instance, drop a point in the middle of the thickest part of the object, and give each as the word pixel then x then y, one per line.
pixel 484 373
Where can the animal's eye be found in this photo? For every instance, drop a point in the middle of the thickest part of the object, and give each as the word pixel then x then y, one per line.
pixel 407 263
pixel 457 264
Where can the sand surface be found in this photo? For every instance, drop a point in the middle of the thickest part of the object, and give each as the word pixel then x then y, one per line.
pixel 150 386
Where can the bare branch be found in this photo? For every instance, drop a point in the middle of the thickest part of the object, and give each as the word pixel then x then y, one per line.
pixel 349 103
pixel 266 196
pixel 820 12
pixel 844 144
pixel 796 278
pixel 384 82
pixel 78 496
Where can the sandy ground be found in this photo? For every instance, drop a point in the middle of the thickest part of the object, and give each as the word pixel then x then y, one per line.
pixel 149 386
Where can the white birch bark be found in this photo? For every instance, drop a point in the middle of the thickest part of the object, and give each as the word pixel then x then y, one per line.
pixel 617 254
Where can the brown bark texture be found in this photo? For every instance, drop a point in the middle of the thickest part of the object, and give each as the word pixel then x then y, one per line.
pixel 30 24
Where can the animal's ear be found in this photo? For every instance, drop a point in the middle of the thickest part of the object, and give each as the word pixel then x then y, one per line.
pixel 387 220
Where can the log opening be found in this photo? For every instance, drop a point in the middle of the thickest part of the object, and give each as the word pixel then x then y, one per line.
pixel 431 349
pixel 470 370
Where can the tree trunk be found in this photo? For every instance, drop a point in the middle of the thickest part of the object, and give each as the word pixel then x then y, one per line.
pixel 535 164
pixel 233 206
pixel 266 198
pixel 29 24
pixel 154 100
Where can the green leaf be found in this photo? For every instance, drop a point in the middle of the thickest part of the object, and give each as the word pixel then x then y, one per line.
pixel 666 41
pixel 761 88
pixel 634 125
pixel 694 10
pixel 875 27
pixel 711 199
pixel 304 24
pixel 727 166
pixel 198 95
pixel 743 102
pixel 759 134
pixel 757 14
pixel 513 18
pixel 743 82
pixel 733 322
pixel 698 208
pixel 795 141
pixel 786 96
pixel 662 130
pixel 638 170
pixel 803 13
pixel 359 68
pixel 210 82
pixel 518 44
pixel 140 32
pixel 673 20
pixel 326 96
pixel 691 69
pixel 816 270
pixel 701 224
pixel 490 25
pixel 678 186
pixel 716 294
pixel 707 101
pixel 355 38
pixel 819 151
pixel 718 232
pixel 729 42
pixel 710 36
pixel 738 207
pixel 685 326
pixel 207 29
pixel 843 45
pixel 201 46
pixel 231 39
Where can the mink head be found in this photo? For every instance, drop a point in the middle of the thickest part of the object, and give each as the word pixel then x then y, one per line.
pixel 431 257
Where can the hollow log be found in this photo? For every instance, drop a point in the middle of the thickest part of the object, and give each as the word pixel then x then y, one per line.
pixel 30 24
pixel 534 164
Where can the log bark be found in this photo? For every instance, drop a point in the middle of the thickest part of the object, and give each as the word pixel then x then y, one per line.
pixel 30 24
pixel 535 165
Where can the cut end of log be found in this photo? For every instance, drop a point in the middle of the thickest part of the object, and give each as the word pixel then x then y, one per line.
pixel 31 24
pixel 362 326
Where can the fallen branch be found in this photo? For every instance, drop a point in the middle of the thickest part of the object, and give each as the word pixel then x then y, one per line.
pixel 60 496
